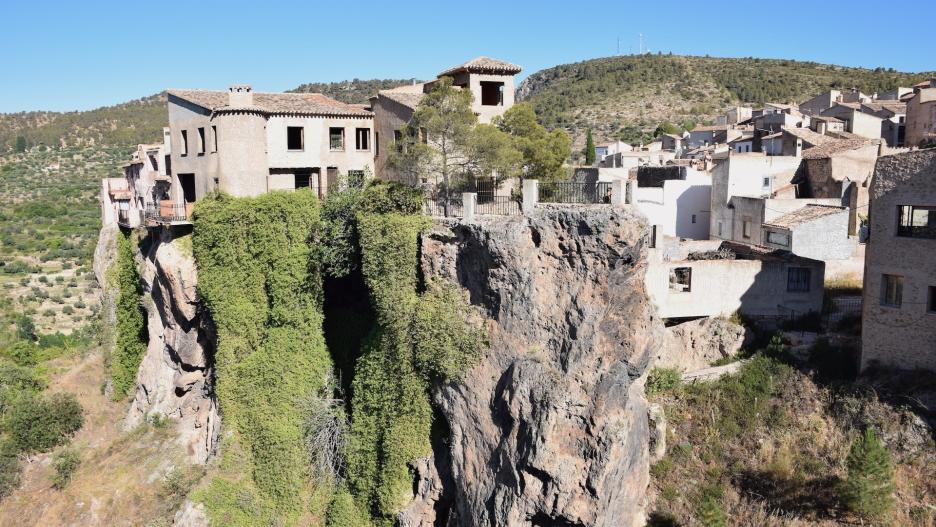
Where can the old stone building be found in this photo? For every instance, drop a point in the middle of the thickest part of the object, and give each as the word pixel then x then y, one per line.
pixel 246 143
pixel 491 83
pixel 921 115
pixel 899 308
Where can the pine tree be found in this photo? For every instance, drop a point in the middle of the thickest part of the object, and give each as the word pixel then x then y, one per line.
pixel 20 144
pixel 589 149
pixel 868 490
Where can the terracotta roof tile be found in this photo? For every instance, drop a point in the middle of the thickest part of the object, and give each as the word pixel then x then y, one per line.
pixel 484 65
pixel 804 215
pixel 274 103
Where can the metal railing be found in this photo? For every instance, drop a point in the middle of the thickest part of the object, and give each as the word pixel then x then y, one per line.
pixel 573 192
pixel 436 207
pixel 502 205
pixel 168 212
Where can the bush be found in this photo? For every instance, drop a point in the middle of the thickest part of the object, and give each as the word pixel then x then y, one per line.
pixel 661 380
pixel 868 489
pixel 38 424
pixel 10 468
pixel 66 462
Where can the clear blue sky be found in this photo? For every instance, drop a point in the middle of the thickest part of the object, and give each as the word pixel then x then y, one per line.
pixel 80 55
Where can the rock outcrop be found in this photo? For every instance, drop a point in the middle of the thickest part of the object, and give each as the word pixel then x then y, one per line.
pixel 696 344
pixel 175 376
pixel 550 428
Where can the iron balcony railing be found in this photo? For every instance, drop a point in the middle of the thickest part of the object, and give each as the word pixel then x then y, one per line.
pixel 168 212
pixel 573 192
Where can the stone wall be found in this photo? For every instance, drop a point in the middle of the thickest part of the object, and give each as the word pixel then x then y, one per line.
pixel 900 336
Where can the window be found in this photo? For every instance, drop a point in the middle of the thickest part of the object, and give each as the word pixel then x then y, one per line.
pixel 492 93
pixel 376 144
pixel 398 140
pixel 302 180
pixel 201 141
pixel 362 138
pixel 693 218
pixel 719 230
pixel 184 143
pixel 336 138
pixel 295 138
pixel 680 280
pixel 891 290
pixel 653 236
pixel 766 182
pixel 916 221
pixel 214 139
pixel 931 299
pixel 778 238
pixel 798 279
pixel 746 228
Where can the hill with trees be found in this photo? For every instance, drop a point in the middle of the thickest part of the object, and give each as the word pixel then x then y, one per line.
pixel 354 91
pixel 628 97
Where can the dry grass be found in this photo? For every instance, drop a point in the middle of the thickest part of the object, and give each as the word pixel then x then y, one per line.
pixel 783 469
pixel 133 478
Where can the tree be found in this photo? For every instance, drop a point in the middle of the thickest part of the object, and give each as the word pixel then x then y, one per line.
pixel 589 148
pixel 443 116
pixel 444 142
pixel 543 152
pixel 20 144
pixel 868 489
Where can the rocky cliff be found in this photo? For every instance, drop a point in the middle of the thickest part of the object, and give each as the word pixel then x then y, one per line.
pixel 550 428
pixel 175 376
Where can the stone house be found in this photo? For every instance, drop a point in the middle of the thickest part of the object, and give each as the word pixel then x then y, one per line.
pixel 707 135
pixel 840 169
pixel 899 306
pixel 856 121
pixel 894 95
pixel 124 200
pixel 673 142
pixel 738 114
pixel 605 149
pixel 821 124
pixel 246 143
pixel 115 201
pixel 816 231
pixel 921 115
pixel 774 121
pixel 894 117
pixel 675 199
pixel 821 102
pixel 687 279
pixel 491 82
pixel 753 175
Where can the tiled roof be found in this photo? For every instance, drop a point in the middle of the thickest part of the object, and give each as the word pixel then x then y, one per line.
pixel 895 107
pixel 827 118
pixel 710 128
pixel 804 215
pixel 836 146
pixel 408 95
pixel 813 138
pixel 274 103
pixel 484 65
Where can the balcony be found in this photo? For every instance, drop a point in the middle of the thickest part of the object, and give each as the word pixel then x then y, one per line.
pixel 167 212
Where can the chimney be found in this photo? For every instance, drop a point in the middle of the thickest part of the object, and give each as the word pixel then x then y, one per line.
pixel 240 95
pixel 799 147
pixel 821 127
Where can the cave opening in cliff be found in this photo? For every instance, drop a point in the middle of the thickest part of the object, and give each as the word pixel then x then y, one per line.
pixel 349 319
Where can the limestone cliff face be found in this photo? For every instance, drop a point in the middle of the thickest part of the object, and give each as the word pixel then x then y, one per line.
pixel 550 428
pixel 175 376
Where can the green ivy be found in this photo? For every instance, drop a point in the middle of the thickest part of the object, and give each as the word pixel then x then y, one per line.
pixel 420 337
pixel 260 280
pixel 131 320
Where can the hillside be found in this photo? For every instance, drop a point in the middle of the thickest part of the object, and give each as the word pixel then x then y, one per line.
pixel 627 97
pixel 132 122
pixel 355 91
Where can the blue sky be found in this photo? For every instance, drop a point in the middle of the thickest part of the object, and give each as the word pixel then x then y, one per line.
pixel 81 55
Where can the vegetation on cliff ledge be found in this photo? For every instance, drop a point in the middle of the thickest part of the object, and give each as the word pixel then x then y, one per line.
pixel 131 321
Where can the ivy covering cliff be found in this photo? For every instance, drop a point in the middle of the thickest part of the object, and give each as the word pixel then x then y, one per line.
pixel 259 279
pixel 131 321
